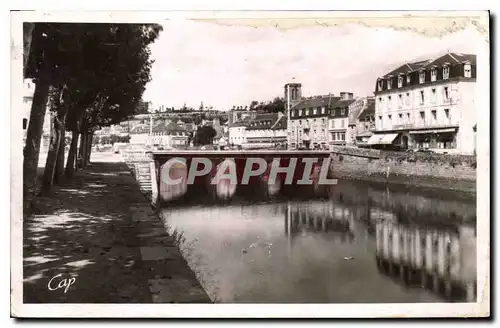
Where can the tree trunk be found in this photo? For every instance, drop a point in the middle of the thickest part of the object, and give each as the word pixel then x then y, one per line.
pixel 27 37
pixel 58 175
pixel 90 136
pixel 58 121
pixel 71 161
pixel 34 135
pixel 83 149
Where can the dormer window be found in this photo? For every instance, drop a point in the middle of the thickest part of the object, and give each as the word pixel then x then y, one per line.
pixel 400 81
pixel 446 72
pixel 467 70
pixel 433 74
pixel 421 77
pixel 379 85
pixel 389 84
pixel 408 79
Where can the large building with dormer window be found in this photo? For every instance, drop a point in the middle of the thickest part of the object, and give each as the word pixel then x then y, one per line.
pixel 428 105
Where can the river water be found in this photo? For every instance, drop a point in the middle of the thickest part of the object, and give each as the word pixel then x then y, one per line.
pixel 359 242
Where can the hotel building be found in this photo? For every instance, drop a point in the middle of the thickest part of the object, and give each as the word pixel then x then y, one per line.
pixel 428 104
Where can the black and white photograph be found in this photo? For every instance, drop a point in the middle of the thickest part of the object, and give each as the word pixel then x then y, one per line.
pixel 292 164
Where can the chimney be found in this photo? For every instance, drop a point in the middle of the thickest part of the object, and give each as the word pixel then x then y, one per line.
pixel 346 95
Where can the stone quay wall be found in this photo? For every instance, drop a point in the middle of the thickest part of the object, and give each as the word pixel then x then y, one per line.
pixel 452 172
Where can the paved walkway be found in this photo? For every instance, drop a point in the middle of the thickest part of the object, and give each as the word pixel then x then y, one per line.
pixel 98 235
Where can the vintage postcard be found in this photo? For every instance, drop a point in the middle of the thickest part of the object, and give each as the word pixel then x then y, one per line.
pixel 327 164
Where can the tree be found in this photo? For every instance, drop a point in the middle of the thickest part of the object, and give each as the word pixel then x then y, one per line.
pixel 41 66
pixel 253 104
pixel 204 135
pixel 103 67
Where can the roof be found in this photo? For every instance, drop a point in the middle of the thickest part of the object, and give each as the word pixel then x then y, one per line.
pixel 343 103
pixel 242 122
pixel 171 127
pixel 280 124
pixel 450 58
pixel 263 121
pixel 322 101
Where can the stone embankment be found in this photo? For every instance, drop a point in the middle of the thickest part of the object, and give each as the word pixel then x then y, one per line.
pixel 424 170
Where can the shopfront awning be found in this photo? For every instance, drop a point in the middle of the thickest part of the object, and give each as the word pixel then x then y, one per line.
pixel 434 131
pixel 382 139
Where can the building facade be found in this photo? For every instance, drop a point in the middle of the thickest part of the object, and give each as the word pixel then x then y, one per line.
pixel 307 126
pixel 428 105
pixel 361 121
pixel 338 120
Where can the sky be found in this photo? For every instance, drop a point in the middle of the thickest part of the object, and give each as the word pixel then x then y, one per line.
pixel 223 66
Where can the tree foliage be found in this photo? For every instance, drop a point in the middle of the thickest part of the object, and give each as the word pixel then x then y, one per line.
pixel 274 106
pixel 204 136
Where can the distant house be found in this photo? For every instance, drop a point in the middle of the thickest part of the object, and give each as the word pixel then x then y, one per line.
pixel 171 135
pixel 265 131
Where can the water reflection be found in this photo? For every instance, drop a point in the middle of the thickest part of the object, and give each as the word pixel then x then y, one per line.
pixel 359 244
pixel 430 258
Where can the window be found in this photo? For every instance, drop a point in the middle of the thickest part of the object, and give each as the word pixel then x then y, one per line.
pixel 408 79
pixel 342 111
pixel 389 101
pixel 379 85
pixel 323 120
pixel 408 118
pixel 400 81
pixel 322 110
pixel 389 84
pixel 342 135
pixel 421 77
pixel 333 124
pixel 301 112
pixel 400 100
pixel 25 123
pixel 433 95
pixel 315 111
pixel 446 94
pixel 407 99
pixel 422 117
pixel 400 119
pixel 422 98
pixel 446 72
pixel 434 116
pixel 447 115
pixel 341 123
pixel 293 113
pixel 467 70
pixel 433 74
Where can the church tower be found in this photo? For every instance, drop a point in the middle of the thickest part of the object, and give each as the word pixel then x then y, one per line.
pixel 293 95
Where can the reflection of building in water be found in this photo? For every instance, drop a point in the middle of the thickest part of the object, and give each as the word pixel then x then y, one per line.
pixel 319 217
pixel 435 259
